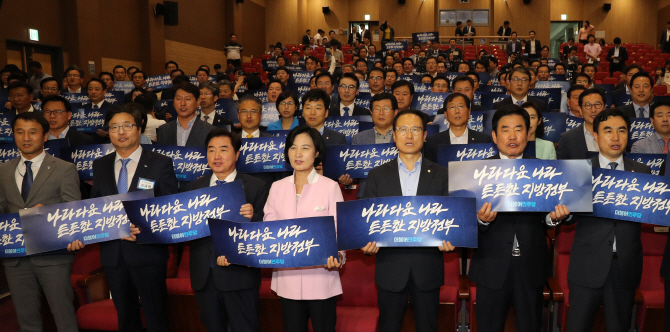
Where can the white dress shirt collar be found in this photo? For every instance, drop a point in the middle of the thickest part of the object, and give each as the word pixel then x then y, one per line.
pixel 255 134
pixel 135 156
pixel 463 139
pixel 230 178
pixel 605 163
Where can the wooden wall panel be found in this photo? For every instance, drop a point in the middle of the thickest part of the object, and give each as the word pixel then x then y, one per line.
pixel 121 40
pixel 190 57
pixel 108 64
pixel 201 22
pixel 457 5
pixel 249 24
pixel 15 58
pixel 45 61
pixel 524 18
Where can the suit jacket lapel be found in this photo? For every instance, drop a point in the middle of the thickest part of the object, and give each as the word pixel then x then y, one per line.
pixel 628 165
pixel 595 162
pixel 425 177
pixel 172 138
pixel 15 193
pixel 42 175
pixel 142 170
pixel 394 178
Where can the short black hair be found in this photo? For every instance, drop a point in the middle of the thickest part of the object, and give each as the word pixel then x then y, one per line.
pixel 20 84
pixel 522 70
pixel 384 96
pixel 587 92
pixel 463 78
pixel 506 23
pixel 130 108
pixel 588 65
pixel 351 76
pixel 630 67
pixel 254 82
pixel 106 73
pixel 180 78
pixel 423 116
pixel 508 110
pixel 381 70
pixel 574 88
pixel 559 64
pixel 19 75
pixel 661 103
pixel 188 87
pixel 32 116
pixel 144 75
pixel 608 113
pixel 275 81
pixel 34 64
pixel 286 94
pixel 539 131
pixel 71 68
pixel 582 74
pixel 57 98
pixel 326 74
pixel 641 74
pixel 483 63
pixel 46 80
pixel 146 101
pixel 95 79
pixel 178 71
pixel 437 78
pixel 319 144
pixel 401 83
pixel 316 95
pixel 473 73
pixel 117 67
pixel 617 40
pixel 455 95
pixel 235 139
pixel 197 70
pixel 171 62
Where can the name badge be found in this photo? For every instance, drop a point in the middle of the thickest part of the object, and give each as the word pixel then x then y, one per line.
pixel 145 184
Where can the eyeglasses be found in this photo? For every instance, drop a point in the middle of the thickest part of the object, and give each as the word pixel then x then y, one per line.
pixel 54 112
pixel 382 110
pixel 598 106
pixel 206 94
pixel 283 103
pixel 453 108
pixel 405 130
pixel 126 127
pixel 252 112
pixel 375 78
pixel 517 80
pixel 347 87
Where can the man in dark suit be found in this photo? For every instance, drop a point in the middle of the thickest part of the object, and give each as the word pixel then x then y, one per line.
pixel 315 111
pixel 519 84
pixel 20 97
pixel 569 47
pixel 627 74
pixel 209 94
pixel 577 142
pixel 306 37
pixel 533 46
pixel 417 273
pixel 469 30
pixel 466 85
pixel 58 112
pixel 606 257
pixel 344 104
pixel 514 45
pixel 227 295
pixel 187 130
pixel 617 56
pixel 355 36
pixel 457 113
pixel 504 30
pixel 96 89
pixel 36 179
pixel 133 270
pixel 641 93
pixel 139 79
pixel 512 262
pixel 664 43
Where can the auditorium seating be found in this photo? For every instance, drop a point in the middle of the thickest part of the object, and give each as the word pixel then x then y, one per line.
pixel 651 314
pixel 357 309
pixel 86 262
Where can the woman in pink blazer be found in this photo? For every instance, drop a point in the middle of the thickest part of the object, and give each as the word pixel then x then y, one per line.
pixel 308 292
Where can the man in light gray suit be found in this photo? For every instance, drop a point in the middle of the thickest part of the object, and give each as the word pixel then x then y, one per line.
pixel 383 107
pixel 658 141
pixel 37 179
pixel 187 130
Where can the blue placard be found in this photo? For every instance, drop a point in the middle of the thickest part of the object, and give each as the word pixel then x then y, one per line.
pixel 262 154
pixel 551 96
pixel 261 94
pixel 300 77
pixel 422 87
pixel 11 236
pixel 88 120
pixel 476 121
pixel 551 62
pixel 37 105
pixel 572 122
pixel 82 156
pixel 640 128
pixel 394 46
pixel 269 65
pixel 488 99
pixel 357 160
pixel 227 108
pixel 276 244
pixel 114 97
pixel 363 100
pixel 53 147
pixel 407 221
pixel 423 37
pixel 76 98
pixel 346 125
pixel 293 68
pixel 183 217
pixel 563 85
pixel 194 79
pixel 554 125
pixel 528 185
pixel 415 79
pixel 159 82
pixel 631 196
pixel 53 227
pixel 653 160
pixel 270 114
pixel 447 153
pixel 278 133
pixel 363 87
pixel 622 99
pixel 299 89
pixel 189 163
pixel 495 89
pixel 124 86
pixel 430 103
pixel 557 77
pixel 477 98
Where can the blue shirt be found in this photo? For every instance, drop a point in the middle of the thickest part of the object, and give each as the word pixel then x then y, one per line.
pixel 182 134
pixel 409 180
pixel 277 125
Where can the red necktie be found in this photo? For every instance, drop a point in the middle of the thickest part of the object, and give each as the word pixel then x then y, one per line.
pixel 665 145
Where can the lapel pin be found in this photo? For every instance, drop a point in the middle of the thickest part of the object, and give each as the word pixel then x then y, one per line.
pixel 48 167
pixel 145 165
pixel 428 171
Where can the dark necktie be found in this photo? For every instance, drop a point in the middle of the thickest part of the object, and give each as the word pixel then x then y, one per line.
pixel 613 165
pixel 207 118
pixel 665 144
pixel 122 184
pixel 346 110
pixel 27 181
pixel 95 107
pixel 640 112
pixel 220 182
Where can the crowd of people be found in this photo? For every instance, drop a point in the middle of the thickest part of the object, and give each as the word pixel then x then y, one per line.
pixel 511 264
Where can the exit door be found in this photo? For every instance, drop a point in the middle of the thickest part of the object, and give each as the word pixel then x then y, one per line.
pixel 51 58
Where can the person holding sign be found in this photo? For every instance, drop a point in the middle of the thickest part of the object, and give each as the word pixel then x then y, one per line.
pixel 457 115
pixel 133 270
pixel 188 130
pixel 510 264
pixel 577 142
pixel 641 93
pixel 96 89
pixel 403 91
pixel 227 295
pixel 306 293
pixel 31 180
pixel 209 94
pixel 543 149
pixel 519 84
pixel 466 85
pixel 345 104
pixel 606 257
pixel 417 273
pixel 287 104
pixel 658 141
pixel 58 111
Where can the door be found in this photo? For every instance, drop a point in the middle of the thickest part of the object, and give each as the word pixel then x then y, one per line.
pixel 354 26
pixel 561 32
pixel 51 58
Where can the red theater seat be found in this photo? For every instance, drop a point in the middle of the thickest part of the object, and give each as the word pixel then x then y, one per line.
pixel 651 315
pixel 660 90
pixel 611 80
pixel 357 306
pixel 86 263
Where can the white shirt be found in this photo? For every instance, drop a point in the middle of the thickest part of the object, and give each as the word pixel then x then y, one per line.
pixel 605 163
pixel 21 168
pixel 318 39
pixel 532 46
pixel 230 178
pixel 351 109
pixel 74 91
pixel 463 139
pixel 636 108
pixel 255 134
pixel 61 135
pixel 98 104
pixel 667 35
pixel 515 101
pixel 616 51
pixel 591 143
pixel 31 109
pixel 210 116
pixel 152 124
pixel 131 166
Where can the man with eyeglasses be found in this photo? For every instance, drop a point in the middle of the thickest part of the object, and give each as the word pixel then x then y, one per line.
pixel 406 274
pixel 466 85
pixel 577 142
pixel 74 76
pixel 325 82
pixel 457 115
pixel 249 112
pixel 133 271
pixel 58 112
pixel 344 104
pixel 519 84
pixel 376 80
pixel 187 130
pixel 642 94
pixel 49 87
pixel 439 84
pixel 209 94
